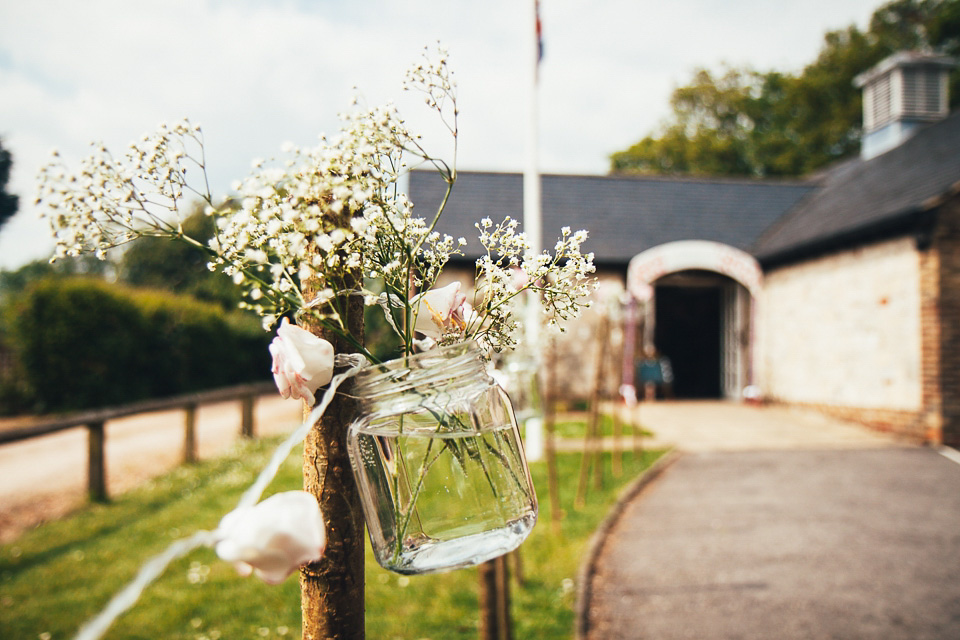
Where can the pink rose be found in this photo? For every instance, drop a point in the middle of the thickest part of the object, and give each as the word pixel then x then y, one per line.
pixel 273 538
pixel 302 362
pixel 518 278
pixel 442 310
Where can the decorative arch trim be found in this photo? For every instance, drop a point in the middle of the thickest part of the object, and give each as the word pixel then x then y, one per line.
pixel 654 263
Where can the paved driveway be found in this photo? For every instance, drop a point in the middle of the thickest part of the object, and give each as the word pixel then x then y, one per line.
pixel 808 529
pixel 728 426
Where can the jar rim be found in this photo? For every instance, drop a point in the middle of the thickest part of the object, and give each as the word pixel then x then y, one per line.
pixel 418 369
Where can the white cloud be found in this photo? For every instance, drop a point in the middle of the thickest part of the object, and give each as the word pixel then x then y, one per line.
pixel 257 74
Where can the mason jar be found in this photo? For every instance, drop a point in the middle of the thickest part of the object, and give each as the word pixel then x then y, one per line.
pixel 439 462
pixel 521 380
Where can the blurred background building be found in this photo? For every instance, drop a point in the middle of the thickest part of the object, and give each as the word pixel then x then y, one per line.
pixel 839 291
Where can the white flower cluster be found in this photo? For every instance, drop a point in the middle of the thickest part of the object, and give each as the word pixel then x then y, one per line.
pixel 112 201
pixel 561 281
pixel 403 250
pixel 310 219
pixel 304 232
pixel 434 78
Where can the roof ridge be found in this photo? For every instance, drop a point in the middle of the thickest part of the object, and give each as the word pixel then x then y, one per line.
pixel 804 181
pixel 861 194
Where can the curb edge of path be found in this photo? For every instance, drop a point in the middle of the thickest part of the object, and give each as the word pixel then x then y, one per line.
pixel 599 537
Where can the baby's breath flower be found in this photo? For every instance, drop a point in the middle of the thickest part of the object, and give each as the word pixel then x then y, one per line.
pixel 300 230
pixel 562 281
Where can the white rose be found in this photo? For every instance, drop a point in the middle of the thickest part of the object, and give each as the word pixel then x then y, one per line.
pixel 273 538
pixel 441 311
pixel 302 362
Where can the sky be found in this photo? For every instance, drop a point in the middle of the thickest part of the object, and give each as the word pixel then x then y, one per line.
pixel 257 74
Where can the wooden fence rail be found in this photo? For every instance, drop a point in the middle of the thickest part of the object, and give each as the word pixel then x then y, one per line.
pixel 95 422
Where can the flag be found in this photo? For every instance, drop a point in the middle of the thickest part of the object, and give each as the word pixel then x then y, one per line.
pixel 536 8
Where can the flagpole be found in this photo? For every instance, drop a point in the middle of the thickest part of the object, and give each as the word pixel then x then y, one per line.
pixel 532 223
pixel 531 176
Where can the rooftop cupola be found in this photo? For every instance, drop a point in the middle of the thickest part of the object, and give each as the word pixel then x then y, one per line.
pixel 900 94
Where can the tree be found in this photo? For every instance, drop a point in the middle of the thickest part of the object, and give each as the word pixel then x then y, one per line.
pixel 708 136
pixel 13 283
pixel 8 201
pixel 744 122
pixel 161 263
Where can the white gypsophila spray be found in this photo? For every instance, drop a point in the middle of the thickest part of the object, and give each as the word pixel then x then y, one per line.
pixel 562 281
pixel 304 220
pixel 302 233
pixel 110 201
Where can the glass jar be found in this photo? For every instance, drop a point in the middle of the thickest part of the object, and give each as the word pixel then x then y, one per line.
pixel 521 380
pixel 438 459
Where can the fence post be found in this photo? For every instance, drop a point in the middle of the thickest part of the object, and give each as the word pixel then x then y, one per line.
pixel 246 423
pixel 550 421
pixel 190 433
pixel 517 566
pixel 96 462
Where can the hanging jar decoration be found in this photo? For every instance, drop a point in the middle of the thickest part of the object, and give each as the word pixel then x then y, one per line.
pixel 439 462
pixel 519 376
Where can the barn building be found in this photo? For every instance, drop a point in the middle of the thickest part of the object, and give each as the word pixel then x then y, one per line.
pixel 839 292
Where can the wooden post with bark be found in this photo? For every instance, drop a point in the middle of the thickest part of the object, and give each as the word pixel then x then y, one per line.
pixel 332 589
pixel 489 625
pixel 495 622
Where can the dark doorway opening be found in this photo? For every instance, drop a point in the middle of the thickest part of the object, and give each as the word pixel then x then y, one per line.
pixel 688 332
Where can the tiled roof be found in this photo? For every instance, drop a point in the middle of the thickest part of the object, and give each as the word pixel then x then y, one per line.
pixel 859 198
pixel 851 202
pixel 624 215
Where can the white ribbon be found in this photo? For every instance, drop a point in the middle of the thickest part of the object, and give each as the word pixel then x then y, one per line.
pixel 155 566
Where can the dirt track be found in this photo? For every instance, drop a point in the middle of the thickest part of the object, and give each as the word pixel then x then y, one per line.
pixel 45 478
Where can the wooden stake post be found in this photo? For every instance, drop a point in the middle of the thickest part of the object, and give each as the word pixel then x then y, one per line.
pixel 495 622
pixel 592 441
pixel 550 420
pixel 332 590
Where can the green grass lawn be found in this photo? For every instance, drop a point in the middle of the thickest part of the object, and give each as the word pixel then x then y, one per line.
pixel 56 577
pixel 566 428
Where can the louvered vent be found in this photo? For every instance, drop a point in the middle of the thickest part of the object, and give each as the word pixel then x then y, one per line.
pixel 879 107
pixel 923 92
pixel 901 94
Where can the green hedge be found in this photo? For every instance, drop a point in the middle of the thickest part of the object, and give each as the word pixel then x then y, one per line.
pixel 83 343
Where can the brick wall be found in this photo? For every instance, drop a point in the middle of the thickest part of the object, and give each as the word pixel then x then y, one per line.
pixel 946 244
pixel 932 418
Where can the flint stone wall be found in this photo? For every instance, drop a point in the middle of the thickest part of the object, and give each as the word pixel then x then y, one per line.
pixel 845 334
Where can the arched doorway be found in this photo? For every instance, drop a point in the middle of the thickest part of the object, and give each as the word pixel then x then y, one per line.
pixel 698 300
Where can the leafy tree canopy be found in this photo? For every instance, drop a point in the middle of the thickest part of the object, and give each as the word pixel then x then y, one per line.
pixel 8 202
pixel 13 283
pixel 153 263
pixel 749 123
